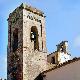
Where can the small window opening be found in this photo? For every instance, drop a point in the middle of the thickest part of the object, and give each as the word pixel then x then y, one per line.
pixel 53 60
pixel 15 40
pixel 41 30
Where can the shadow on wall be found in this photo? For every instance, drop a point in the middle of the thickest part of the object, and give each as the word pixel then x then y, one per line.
pixel 39 77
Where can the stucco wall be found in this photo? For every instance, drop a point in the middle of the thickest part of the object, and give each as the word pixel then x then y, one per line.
pixel 68 72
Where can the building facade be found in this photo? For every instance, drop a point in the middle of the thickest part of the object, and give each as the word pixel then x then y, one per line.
pixel 67 71
pixel 27 55
pixel 61 55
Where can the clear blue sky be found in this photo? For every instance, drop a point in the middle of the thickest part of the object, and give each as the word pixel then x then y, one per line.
pixel 62 23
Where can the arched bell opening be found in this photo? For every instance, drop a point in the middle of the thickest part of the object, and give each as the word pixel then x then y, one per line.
pixel 34 37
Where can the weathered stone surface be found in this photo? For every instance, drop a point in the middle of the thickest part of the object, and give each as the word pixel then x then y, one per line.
pixel 30 57
pixel 27 52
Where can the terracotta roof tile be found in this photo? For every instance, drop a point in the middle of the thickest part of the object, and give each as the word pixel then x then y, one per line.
pixel 60 65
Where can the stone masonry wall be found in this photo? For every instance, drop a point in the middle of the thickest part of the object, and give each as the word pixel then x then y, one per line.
pixel 34 62
pixel 26 63
pixel 15 59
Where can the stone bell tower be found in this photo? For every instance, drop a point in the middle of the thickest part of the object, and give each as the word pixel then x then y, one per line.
pixel 27 53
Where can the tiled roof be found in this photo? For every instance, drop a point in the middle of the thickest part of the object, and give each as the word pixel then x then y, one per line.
pixel 60 65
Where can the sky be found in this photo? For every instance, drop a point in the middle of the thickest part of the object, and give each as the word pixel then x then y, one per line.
pixel 62 23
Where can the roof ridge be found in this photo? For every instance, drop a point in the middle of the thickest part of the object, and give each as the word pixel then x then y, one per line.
pixel 63 64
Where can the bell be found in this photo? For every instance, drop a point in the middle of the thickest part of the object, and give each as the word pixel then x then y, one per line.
pixel 32 36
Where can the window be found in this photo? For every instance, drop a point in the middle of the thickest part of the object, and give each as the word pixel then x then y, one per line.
pixel 53 60
pixel 34 37
pixel 41 30
pixel 15 40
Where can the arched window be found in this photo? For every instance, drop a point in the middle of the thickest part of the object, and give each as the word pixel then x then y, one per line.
pixel 34 37
pixel 15 40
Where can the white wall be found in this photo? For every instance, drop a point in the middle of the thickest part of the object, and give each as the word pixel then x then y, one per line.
pixel 68 72
pixel 63 57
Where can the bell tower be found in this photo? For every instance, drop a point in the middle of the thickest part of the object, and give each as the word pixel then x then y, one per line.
pixel 27 53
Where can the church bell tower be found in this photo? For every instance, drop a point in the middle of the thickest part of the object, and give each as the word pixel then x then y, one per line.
pixel 27 53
